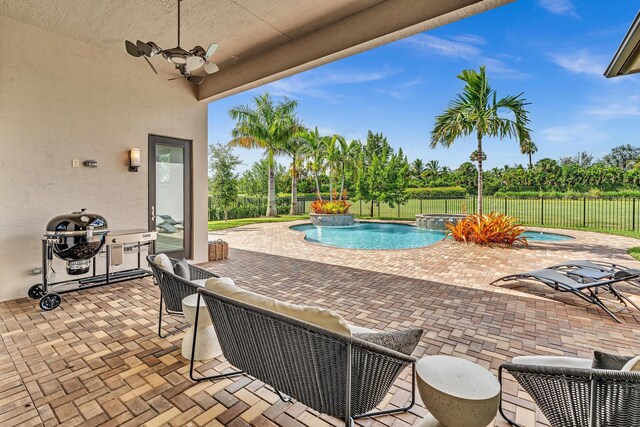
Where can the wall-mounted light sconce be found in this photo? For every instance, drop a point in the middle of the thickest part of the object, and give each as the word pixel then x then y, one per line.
pixel 91 163
pixel 134 159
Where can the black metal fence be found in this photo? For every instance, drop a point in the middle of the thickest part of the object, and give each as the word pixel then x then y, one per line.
pixel 621 214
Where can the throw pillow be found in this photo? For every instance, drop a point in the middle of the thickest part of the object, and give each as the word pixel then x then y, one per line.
pixel 401 341
pixel 182 269
pixel 163 261
pixel 632 365
pixel 602 360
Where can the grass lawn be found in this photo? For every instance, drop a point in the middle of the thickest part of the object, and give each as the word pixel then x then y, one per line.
pixel 222 225
pixel 635 252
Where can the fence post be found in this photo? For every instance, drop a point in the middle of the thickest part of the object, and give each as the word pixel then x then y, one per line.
pixel 420 204
pixel 378 203
pixel 633 220
pixel 505 205
pixel 542 211
pixel 584 211
pixel 360 207
pixel 446 205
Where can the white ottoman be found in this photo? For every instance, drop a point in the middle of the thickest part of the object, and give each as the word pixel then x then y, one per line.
pixel 457 392
pixel 207 345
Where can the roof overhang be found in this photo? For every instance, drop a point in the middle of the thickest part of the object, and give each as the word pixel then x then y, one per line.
pixel 260 40
pixel 627 58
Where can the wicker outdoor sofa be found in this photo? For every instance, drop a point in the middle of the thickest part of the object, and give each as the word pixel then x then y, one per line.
pixel 333 373
pixel 572 394
pixel 173 288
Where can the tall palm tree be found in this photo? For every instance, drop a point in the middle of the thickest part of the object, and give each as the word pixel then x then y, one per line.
pixel 529 148
pixel 268 126
pixel 432 168
pixel 476 110
pixel 294 147
pixel 332 157
pixel 314 151
pixel 346 157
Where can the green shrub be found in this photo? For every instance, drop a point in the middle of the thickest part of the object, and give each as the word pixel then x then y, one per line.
pixel 426 192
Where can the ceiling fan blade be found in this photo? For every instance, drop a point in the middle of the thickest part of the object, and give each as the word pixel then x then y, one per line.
pixel 150 64
pixel 194 62
pixel 211 50
pixel 195 79
pixel 210 67
pixel 132 49
pixel 144 48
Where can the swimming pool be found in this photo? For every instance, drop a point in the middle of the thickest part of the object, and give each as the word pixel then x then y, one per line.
pixel 385 235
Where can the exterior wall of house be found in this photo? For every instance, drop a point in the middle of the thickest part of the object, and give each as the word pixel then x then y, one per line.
pixel 61 99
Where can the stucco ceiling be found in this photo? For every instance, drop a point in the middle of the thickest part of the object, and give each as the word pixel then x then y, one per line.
pixel 241 27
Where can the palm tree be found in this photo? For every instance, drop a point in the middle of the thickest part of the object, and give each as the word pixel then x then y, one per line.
pixel 294 147
pixel 529 148
pixel 432 168
pixel 267 126
pixel 314 150
pixel 346 153
pixel 417 167
pixel 475 110
pixel 332 157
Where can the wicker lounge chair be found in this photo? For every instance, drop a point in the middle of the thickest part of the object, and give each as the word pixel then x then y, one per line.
pixel 334 374
pixel 586 290
pixel 574 395
pixel 173 288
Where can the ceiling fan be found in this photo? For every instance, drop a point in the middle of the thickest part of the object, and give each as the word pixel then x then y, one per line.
pixel 185 61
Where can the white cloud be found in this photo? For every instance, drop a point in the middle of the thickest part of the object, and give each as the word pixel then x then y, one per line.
pixel 314 83
pixel 575 134
pixel 581 62
pixel 401 91
pixel 444 47
pixel 465 47
pixel 559 7
pixel 630 107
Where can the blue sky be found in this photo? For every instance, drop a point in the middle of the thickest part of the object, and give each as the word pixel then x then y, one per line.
pixel 555 51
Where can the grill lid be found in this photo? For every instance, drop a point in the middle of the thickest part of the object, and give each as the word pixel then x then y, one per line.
pixel 77 224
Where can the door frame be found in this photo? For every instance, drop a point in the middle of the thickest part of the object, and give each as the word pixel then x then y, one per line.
pixel 187 145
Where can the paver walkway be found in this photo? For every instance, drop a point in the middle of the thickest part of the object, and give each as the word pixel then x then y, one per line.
pixel 97 360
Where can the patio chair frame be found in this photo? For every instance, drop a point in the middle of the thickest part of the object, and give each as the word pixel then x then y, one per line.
pixel 231 315
pixel 573 397
pixel 173 289
pixel 562 283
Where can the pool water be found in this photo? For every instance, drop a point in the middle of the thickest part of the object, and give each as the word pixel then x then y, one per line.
pixel 545 237
pixel 384 235
pixel 370 235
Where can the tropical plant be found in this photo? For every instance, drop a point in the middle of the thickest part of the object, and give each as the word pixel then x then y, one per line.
pixel 476 110
pixel 223 188
pixel 346 157
pixel 528 148
pixel 294 147
pixel 488 229
pixel 314 150
pixel 623 156
pixel 266 125
pixel 330 206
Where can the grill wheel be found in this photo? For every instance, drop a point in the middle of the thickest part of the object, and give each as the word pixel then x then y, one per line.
pixel 50 301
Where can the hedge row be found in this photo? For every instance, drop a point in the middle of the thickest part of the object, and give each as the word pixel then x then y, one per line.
pixel 426 192
pixel 594 194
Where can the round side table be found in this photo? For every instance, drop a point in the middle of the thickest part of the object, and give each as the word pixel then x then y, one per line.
pixel 207 345
pixel 457 392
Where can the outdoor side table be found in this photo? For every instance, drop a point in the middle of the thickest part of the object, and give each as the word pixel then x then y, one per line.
pixel 207 345
pixel 457 392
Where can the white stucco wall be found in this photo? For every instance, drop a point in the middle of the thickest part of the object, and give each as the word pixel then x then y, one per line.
pixel 61 99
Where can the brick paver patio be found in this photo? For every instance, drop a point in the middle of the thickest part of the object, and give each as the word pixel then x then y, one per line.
pixel 98 361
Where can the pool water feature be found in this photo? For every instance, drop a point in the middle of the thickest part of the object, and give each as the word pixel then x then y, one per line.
pixel 385 235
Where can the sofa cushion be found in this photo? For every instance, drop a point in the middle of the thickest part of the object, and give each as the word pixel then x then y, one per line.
pixel 401 341
pixel 182 269
pixel 556 361
pixel 203 282
pixel 317 316
pixel 602 360
pixel 164 262
pixel 632 365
